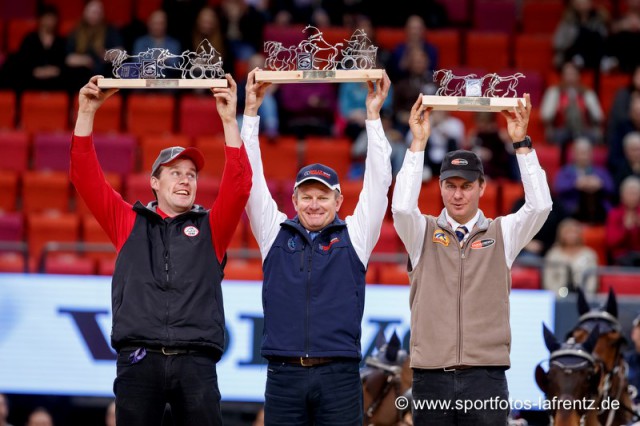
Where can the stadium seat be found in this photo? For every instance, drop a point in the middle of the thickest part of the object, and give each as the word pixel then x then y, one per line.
pixel 43 191
pixel 92 232
pixel 150 147
pixel 488 50
pixel 333 152
pixel 15 150
pixel 595 236
pixel 212 148
pixel 106 266
pixel 388 38
pixel 372 274
pixel 17 29
pixel 541 16
pixel 430 199
pixel 510 192
pixel 9 190
pixel 389 241
pixel 288 35
pixel 393 273
pixel 458 11
pixel 335 35
pixel 199 116
pixel 549 157
pixel 138 188
pixel 116 152
pixel 44 111
pixel 621 283
pixel 119 12
pixel 525 278
pixel 533 52
pixel 532 83
pixel 46 227
pixel 11 226
pixel 51 151
pixel 239 269
pixel 7 109
pixel 68 9
pixel 207 190
pixel 150 114
pixel 610 84
pixel 280 158
pixel 489 201
pixel 109 120
pixel 351 191
pixel 448 44
pixel 495 15
pixel 12 262
pixel 69 264
pixel 145 7
pixel 536 129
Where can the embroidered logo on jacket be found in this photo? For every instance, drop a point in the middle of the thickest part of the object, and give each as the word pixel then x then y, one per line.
pixel 483 243
pixel 439 236
pixel 191 231
pixel 291 243
pixel 332 242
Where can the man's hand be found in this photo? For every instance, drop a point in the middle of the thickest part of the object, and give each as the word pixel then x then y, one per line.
pixel 255 92
pixel 419 125
pixel 92 97
pixel 518 120
pixel 226 100
pixel 376 96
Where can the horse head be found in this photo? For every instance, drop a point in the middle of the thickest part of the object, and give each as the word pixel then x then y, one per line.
pixel 573 377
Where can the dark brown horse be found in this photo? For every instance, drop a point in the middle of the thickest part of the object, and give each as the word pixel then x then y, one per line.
pixel 387 375
pixel 573 378
pixel 608 351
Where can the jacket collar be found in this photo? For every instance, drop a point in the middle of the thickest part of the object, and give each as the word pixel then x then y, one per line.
pixel 482 224
pixel 150 210
pixel 295 224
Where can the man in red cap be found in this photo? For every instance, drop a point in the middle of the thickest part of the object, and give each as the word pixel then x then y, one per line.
pixel 168 317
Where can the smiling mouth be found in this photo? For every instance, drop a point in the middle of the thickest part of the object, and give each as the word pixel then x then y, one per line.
pixel 182 192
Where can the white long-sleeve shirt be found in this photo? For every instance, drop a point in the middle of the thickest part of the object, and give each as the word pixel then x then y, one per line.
pixel 365 223
pixel 517 228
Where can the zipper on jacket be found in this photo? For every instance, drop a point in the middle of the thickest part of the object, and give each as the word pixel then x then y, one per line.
pixel 306 320
pixel 460 279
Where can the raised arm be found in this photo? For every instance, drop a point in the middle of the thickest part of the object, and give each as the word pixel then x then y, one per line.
pixel 262 209
pixel 236 176
pixel 520 227
pixel 410 224
pixel 90 99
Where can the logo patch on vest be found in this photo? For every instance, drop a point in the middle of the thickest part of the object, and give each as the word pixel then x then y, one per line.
pixel 291 243
pixel 191 231
pixel 439 236
pixel 332 242
pixel 483 243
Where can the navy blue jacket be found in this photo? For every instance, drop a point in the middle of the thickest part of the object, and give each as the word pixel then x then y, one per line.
pixel 313 293
pixel 166 284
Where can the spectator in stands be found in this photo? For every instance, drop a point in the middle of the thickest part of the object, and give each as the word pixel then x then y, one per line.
pixel 632 124
pixel 633 357
pixel 157 36
pixel 359 148
pixel 619 112
pixel 419 79
pixel 584 189
pixel 631 164
pixel 312 340
pixel 493 146
pixel 42 54
pixel 306 12
pixel 207 27
pixel 570 110
pixel 580 36
pixel 4 410
pixel 169 244
pixel 88 43
pixel 269 118
pixel 415 37
pixel 569 262
pixel 181 18
pixel 40 417
pixel 110 414
pixel 623 225
pixel 242 27
pixel 447 134
pixel 351 97
pixel 625 32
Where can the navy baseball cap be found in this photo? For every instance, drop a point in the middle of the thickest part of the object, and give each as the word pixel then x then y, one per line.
pixel 168 155
pixel 461 163
pixel 319 172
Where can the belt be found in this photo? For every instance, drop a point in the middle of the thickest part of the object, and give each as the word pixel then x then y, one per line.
pixel 169 351
pixel 304 361
pixel 458 367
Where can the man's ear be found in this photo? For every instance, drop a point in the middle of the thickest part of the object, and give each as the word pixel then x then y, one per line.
pixel 155 184
pixel 339 200
pixel 294 200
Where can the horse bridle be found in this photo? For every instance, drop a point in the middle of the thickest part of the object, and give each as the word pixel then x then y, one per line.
pixel 392 373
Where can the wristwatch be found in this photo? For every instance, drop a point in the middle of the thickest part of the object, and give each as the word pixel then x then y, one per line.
pixel 526 143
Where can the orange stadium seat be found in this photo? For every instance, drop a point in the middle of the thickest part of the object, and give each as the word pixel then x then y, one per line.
pixel 430 200
pixel 212 148
pixel 199 116
pixel 595 236
pixel 150 147
pixel 351 191
pixel 393 273
pixel 7 109
pixel 15 150
pixel 149 114
pixel 45 227
pixel 448 44
pixel 533 52
pixel 43 191
pixel 109 120
pixel 389 38
pixel 69 264
pixel 280 158
pixel 17 29
pixel 541 16
pixel 510 192
pixel 489 201
pixel 92 232
pixel 494 15
pixel 488 50
pixel 9 190
pixel 333 152
pixel 44 111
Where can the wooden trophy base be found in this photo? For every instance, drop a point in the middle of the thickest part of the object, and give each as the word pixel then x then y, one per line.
pixel 470 103
pixel 161 83
pixel 319 76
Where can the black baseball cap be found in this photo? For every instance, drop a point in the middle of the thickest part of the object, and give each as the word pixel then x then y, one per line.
pixel 319 172
pixel 168 155
pixel 461 163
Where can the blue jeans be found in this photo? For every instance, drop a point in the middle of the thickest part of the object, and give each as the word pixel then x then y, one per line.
pixel 329 394
pixel 476 396
pixel 188 382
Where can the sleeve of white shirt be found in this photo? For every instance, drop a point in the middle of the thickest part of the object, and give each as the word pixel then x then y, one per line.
pixel 264 217
pixel 365 223
pixel 520 227
pixel 410 224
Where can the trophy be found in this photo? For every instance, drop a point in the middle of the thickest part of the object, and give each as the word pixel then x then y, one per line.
pixel 146 70
pixel 314 60
pixel 490 92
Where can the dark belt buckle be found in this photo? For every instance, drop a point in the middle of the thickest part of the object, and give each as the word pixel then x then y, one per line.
pixel 168 352
pixel 303 364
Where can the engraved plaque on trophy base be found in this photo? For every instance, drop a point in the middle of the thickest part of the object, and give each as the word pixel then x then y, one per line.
pixel 164 83
pixel 470 103
pixel 319 76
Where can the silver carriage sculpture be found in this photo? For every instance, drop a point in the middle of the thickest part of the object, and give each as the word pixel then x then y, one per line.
pixel 204 63
pixel 315 53
pixel 490 85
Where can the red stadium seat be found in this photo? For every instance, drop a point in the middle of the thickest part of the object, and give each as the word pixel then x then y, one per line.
pixel 9 190
pixel 621 282
pixel 393 273
pixel 17 29
pixel 351 191
pixel 138 188
pixel 549 157
pixel 489 200
pixel 106 266
pixel 68 9
pixel 448 44
pixel 280 158
pixel 488 50
pixel 541 16
pixel 43 191
pixel 288 35
pixel 389 38
pixel 109 120
pixel 212 148
pixel 44 111
pixel 207 190
pixel 389 241
pixel 144 8
pixel 69 264
pixel 495 15
pixel 11 227
pixel 609 86
pixel 510 192
pixel 595 236
pixel 238 269
pixel 51 151
pixel 333 152
pixel 119 12
pixel 81 207
pixel 150 147
pixel 533 52
pixel 150 114
pixel 430 199
pixel 13 262
pixel 525 278
pixel 116 152
pixel 7 109
pixel 44 227
pixel 15 150
pixel 199 116
pixel 458 11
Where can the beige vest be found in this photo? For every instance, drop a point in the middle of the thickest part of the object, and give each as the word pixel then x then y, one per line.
pixel 460 298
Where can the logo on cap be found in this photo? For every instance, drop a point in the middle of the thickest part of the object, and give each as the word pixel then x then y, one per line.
pixel 318 173
pixel 459 162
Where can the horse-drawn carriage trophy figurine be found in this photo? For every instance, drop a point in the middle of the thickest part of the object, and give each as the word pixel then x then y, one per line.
pixel 490 92
pixel 314 60
pixel 149 69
